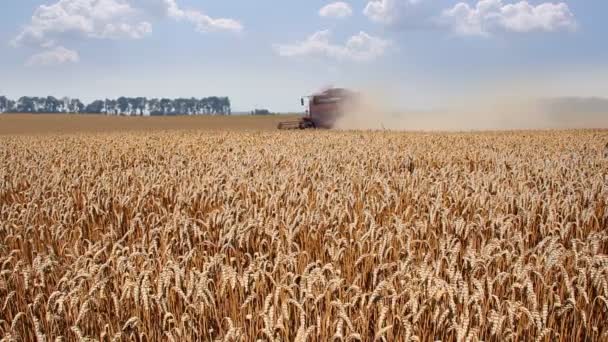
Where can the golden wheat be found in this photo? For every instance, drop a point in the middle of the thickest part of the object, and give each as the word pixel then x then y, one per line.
pixel 305 236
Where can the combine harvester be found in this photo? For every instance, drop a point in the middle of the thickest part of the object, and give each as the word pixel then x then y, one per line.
pixel 324 109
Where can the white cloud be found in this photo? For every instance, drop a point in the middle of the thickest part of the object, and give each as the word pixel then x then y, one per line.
pixel 84 18
pixel 54 56
pixel 202 22
pixel 337 9
pixel 482 18
pixel 111 19
pixel 361 47
pixel 397 12
pixel 523 17
pixel 106 19
pixel 489 16
pixel 119 30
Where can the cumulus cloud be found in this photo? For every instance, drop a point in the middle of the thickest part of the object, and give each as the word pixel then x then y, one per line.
pixel 489 16
pixel 202 22
pixel 361 47
pixel 85 18
pixel 482 18
pixel 409 13
pixel 54 56
pixel 337 9
pixel 125 30
pixel 111 19
pixel 108 19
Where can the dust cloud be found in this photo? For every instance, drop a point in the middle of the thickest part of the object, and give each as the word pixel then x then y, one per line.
pixel 377 111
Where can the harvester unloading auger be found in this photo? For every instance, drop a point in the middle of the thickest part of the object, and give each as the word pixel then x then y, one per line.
pixel 324 109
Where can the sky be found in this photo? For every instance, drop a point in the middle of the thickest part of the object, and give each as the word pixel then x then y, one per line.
pixel 268 53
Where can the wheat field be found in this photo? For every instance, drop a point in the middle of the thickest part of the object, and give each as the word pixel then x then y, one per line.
pixel 304 236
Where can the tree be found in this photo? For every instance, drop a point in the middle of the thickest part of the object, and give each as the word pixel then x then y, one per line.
pixel 111 107
pixel 154 107
pixel 214 103
pixel 3 104
pixel 123 105
pixel 199 106
pixel 39 104
pixel 95 107
pixel 183 106
pixel 76 106
pixel 178 106
pixel 218 105
pixel 166 106
pixel 203 105
pixel 25 104
pixel 192 106
pixel 64 105
pixel 132 106
pixel 227 108
pixel 52 105
pixel 140 104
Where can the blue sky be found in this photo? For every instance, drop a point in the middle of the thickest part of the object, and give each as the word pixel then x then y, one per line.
pixel 268 53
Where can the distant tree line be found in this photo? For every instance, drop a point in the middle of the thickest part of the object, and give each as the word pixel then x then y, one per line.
pixel 122 106
pixel 261 112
